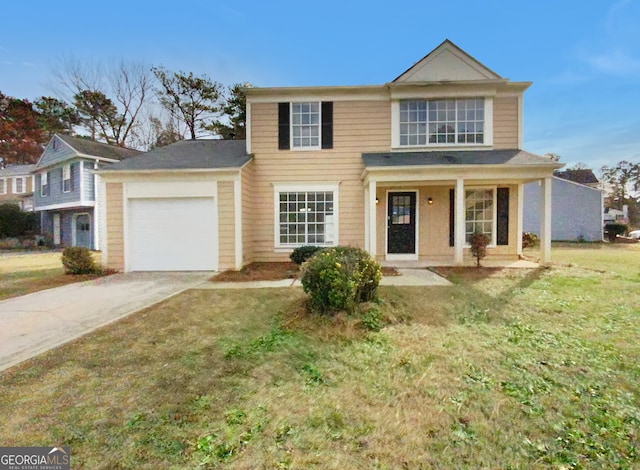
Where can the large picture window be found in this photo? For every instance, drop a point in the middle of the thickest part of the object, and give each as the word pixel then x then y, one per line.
pixel 306 217
pixel 480 210
pixel 442 122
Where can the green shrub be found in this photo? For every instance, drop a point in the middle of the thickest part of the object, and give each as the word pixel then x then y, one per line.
pixel 303 253
pixel 613 230
pixel 529 239
pixel 340 278
pixel 78 260
pixel 479 242
pixel 14 222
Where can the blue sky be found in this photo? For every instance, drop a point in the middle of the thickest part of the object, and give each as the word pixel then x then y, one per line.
pixel 582 57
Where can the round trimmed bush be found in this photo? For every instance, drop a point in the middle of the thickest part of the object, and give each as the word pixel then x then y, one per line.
pixel 338 279
pixel 78 260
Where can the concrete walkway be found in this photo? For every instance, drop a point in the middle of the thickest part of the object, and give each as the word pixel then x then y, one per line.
pixel 408 277
pixel 34 323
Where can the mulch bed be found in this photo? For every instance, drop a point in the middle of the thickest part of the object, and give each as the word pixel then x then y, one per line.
pixel 272 272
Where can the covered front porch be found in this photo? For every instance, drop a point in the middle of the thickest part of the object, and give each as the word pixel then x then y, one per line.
pixel 422 207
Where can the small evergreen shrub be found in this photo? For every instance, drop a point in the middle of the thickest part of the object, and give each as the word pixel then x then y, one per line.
pixel 529 239
pixel 613 230
pixel 303 253
pixel 479 242
pixel 338 279
pixel 78 260
pixel 14 222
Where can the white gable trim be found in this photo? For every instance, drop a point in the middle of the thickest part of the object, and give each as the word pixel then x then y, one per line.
pixel 447 62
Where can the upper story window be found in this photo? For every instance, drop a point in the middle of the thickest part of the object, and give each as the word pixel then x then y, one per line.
pixel 44 184
pixel 67 178
pixel 20 184
pixel 433 122
pixel 3 186
pixel 305 125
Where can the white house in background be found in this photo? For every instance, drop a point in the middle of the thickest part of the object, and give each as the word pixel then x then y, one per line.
pixel 616 216
pixel 576 210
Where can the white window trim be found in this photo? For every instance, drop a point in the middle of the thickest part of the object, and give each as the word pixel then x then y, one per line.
pixel 15 184
pixel 44 181
pixel 292 188
pixel 3 189
pixel 488 126
pixel 305 149
pixel 494 222
pixel 66 168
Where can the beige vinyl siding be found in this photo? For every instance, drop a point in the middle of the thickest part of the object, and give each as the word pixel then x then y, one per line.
pixel 505 122
pixel 358 126
pixel 115 226
pixel 226 226
pixel 248 213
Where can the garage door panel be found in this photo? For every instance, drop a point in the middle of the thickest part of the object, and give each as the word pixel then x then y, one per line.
pixel 176 234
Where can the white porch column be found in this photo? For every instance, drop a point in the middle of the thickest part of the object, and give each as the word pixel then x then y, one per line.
pixel 545 222
pixel 520 218
pixel 372 219
pixel 367 212
pixel 459 222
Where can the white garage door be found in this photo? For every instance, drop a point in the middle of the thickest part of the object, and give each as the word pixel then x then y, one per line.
pixel 177 234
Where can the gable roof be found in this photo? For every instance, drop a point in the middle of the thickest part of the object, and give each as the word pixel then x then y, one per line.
pixel 447 62
pixel 65 147
pixel 585 176
pixel 16 170
pixel 454 157
pixel 188 155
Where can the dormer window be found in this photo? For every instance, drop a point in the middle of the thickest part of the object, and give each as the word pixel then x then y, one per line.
pixel 445 122
pixel 435 122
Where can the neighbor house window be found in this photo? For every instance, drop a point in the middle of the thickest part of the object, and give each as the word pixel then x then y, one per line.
pixel 442 122
pixel 480 210
pixel 305 125
pixel 3 186
pixel 67 182
pixel 306 216
pixel 44 184
pixel 19 184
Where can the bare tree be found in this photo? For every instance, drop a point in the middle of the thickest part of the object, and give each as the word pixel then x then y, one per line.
pixel 110 96
pixel 194 101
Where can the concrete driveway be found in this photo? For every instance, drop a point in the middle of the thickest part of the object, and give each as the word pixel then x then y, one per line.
pixel 34 323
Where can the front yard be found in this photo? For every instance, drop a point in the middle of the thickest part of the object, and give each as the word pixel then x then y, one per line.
pixel 23 273
pixel 517 369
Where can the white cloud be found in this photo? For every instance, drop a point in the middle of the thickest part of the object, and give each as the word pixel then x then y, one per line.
pixel 614 62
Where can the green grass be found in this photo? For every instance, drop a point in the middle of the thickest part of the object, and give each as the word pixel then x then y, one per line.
pixel 505 369
pixel 22 274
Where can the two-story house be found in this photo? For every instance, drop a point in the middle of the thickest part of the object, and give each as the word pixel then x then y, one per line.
pixel 408 170
pixel 65 188
pixel 16 186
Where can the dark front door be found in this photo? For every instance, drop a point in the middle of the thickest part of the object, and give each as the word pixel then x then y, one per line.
pixel 401 222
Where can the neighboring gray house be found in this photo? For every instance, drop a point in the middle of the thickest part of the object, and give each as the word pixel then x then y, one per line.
pixel 576 210
pixel 65 188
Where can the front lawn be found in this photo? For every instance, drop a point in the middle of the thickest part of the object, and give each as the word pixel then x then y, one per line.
pixel 22 274
pixel 523 369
